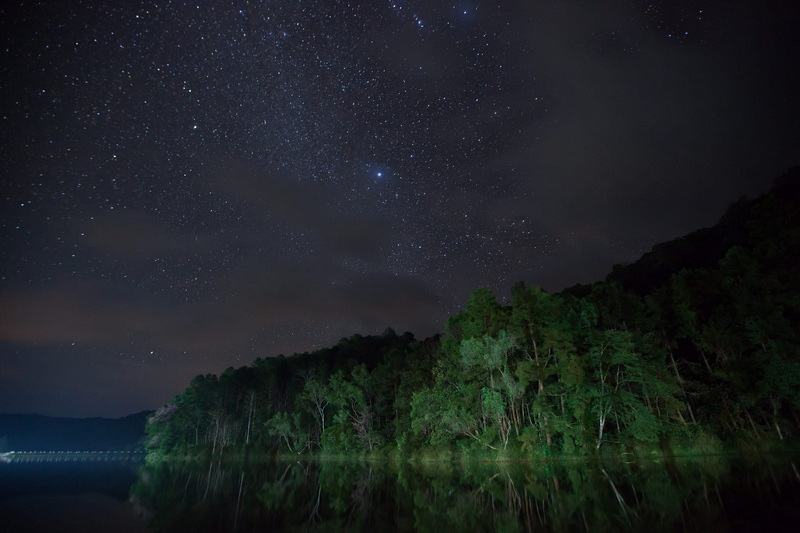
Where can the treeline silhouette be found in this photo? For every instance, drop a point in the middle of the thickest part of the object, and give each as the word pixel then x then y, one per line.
pixel 691 349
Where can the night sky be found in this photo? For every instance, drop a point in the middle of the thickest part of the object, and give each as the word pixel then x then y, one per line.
pixel 188 186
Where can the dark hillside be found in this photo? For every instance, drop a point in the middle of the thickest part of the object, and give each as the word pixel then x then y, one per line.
pixel 45 433
pixel 704 248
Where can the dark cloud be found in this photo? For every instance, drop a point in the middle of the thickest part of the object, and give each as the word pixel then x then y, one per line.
pixel 327 293
pixel 322 276
pixel 317 212
pixel 110 316
pixel 87 312
pixel 280 289
pixel 141 236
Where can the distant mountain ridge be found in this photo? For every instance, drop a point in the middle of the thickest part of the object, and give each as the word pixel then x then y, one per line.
pixel 28 432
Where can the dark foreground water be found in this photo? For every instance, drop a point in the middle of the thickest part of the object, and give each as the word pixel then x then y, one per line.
pixel 68 493
pixel 708 494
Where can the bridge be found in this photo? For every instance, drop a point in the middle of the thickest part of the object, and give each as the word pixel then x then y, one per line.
pixel 69 456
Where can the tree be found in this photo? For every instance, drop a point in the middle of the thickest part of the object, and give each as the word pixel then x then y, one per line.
pixel 353 419
pixel 483 316
pixel 287 427
pixel 316 394
pixel 627 388
pixel 501 394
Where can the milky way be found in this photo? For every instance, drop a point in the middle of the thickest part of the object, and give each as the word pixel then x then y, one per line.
pixel 188 186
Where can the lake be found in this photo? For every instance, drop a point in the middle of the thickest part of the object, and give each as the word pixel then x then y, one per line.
pixel 700 494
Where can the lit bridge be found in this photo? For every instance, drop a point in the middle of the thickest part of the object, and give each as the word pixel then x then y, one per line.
pixel 69 456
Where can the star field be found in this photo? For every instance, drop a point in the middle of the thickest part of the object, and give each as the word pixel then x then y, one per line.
pixel 191 185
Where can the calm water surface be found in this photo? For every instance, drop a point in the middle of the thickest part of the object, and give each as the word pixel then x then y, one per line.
pixel 709 494
pixel 68 494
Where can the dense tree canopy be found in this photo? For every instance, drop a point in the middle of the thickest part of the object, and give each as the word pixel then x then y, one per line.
pixel 667 353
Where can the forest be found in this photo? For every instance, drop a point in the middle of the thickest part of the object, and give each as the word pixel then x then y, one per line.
pixel 693 349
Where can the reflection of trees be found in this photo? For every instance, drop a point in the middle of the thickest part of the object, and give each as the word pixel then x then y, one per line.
pixel 354 496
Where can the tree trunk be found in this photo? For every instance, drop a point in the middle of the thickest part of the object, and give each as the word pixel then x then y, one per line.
pixel 249 419
pixel 600 431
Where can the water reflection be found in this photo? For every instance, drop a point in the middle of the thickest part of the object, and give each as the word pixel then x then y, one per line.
pixel 68 493
pixel 715 493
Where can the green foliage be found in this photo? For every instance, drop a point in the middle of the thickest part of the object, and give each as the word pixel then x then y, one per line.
pixel 288 427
